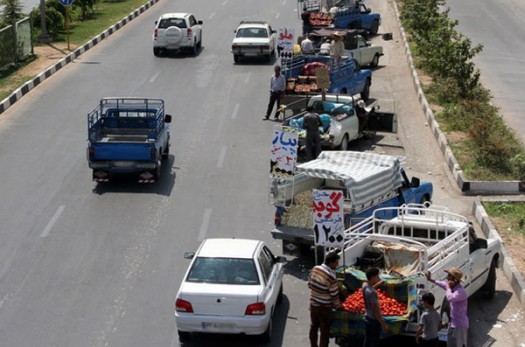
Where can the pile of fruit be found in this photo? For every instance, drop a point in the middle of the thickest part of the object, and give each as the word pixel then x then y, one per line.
pixel 388 306
pixel 320 19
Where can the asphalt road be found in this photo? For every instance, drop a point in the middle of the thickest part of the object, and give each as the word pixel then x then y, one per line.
pixel 498 26
pixel 92 265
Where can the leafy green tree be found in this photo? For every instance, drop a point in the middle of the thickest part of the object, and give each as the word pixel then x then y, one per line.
pixel 12 12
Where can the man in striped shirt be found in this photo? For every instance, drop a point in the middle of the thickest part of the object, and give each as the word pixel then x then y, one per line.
pixel 324 296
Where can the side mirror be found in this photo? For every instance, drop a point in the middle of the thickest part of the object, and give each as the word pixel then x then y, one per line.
pixel 156 22
pixel 199 22
pixel 235 31
pixel 167 118
pixel 414 183
pixel 481 243
pixel 281 259
pixel 189 255
pixel 274 31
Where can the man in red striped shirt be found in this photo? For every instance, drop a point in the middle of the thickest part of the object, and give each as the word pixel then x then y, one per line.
pixel 324 296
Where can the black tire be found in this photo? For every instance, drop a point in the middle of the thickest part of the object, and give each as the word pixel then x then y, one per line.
pixel 425 200
pixel 194 49
pixel 365 94
pixel 344 143
pixel 199 45
pixel 166 152
pixel 375 27
pixel 267 335
pixel 236 58
pixel 156 51
pixel 269 58
pixel 183 335
pixel 375 61
pixel 156 174
pixel 489 288
pixel 280 296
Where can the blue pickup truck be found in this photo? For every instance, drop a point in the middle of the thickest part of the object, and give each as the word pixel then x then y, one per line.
pixel 345 77
pixel 368 181
pixel 347 14
pixel 128 136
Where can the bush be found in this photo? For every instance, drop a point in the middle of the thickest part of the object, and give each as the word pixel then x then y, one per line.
pixel 55 20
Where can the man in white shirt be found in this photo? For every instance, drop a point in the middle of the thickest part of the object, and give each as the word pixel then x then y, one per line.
pixel 337 47
pixel 277 88
pixel 325 48
pixel 307 46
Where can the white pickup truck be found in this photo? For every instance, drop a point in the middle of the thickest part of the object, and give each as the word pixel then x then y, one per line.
pixel 340 121
pixel 419 240
pixel 363 52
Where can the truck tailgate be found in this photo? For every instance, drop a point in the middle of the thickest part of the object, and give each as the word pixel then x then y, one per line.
pixel 122 151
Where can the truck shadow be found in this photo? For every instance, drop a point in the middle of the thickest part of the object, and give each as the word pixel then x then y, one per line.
pixel 129 184
pixel 180 54
pixel 280 318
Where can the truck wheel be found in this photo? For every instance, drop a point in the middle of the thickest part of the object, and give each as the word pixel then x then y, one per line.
pixel 344 143
pixel 199 45
pixel 365 94
pixel 157 170
pixel 156 51
pixel 235 58
pixel 269 58
pixel 166 152
pixel 375 61
pixel 489 288
pixel 375 27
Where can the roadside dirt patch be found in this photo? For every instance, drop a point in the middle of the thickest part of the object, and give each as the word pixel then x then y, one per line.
pixel 46 56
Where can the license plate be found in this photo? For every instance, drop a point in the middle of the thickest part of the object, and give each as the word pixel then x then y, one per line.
pixel 123 163
pixel 213 325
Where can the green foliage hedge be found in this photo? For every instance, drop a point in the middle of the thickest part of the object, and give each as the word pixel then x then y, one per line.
pixel 491 151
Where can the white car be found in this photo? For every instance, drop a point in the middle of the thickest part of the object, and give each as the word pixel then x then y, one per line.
pixel 253 39
pixel 232 286
pixel 175 31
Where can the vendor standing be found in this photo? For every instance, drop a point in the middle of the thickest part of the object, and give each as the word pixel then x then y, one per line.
pixel 277 88
pixel 337 47
pixel 312 122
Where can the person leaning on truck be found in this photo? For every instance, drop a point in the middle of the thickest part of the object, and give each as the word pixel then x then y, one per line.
pixel 324 296
pixel 373 320
pixel 277 87
pixel 312 122
pixel 458 299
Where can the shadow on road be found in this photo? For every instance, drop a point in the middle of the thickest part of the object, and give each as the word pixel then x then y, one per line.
pixel 129 183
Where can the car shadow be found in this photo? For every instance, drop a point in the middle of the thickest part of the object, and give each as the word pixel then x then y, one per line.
pixel 180 54
pixel 129 183
pixel 256 61
pixel 280 318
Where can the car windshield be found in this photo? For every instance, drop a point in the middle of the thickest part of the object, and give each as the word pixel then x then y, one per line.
pixel 172 22
pixel 252 32
pixel 223 271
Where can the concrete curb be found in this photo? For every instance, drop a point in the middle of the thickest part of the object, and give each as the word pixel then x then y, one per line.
pixel 511 272
pixel 466 186
pixel 28 86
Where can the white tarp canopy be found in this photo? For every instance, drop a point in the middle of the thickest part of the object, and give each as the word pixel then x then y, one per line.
pixel 367 176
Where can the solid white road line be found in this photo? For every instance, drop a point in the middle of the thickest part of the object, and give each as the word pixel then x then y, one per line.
pixel 224 2
pixel 222 154
pixel 235 111
pixel 211 15
pixel 52 222
pixel 277 15
pixel 248 75
pixel 204 225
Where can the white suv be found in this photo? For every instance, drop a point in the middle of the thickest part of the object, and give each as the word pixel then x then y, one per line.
pixel 232 286
pixel 252 39
pixel 177 31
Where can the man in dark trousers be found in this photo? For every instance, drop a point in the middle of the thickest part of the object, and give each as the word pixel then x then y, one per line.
pixel 277 88
pixel 324 296
pixel 373 320
pixel 312 122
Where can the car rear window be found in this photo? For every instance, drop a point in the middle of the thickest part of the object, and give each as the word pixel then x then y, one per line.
pixel 170 22
pixel 252 32
pixel 223 271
